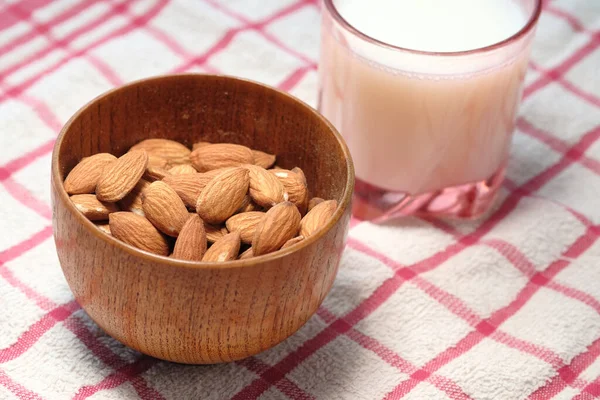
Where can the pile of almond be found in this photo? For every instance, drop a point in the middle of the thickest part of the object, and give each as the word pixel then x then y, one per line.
pixel 217 202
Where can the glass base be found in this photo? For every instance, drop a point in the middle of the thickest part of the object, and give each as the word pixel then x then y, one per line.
pixel 467 201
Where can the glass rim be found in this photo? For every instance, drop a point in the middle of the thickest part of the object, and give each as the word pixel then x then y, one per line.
pixel 535 15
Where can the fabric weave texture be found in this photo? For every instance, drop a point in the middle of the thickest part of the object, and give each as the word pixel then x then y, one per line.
pixel 504 308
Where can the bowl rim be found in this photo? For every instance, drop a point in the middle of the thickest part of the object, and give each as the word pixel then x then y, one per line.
pixel 151 257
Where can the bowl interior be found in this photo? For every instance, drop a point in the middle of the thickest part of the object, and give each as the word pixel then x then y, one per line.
pixel 192 108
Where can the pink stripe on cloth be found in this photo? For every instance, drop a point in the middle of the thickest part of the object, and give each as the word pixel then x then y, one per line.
pixel 508 205
pixel 19 390
pixel 574 22
pixel 260 29
pixel 105 70
pixel 41 301
pixel 444 384
pixel 26 159
pixel 7 14
pixel 43 111
pixel 15 251
pixel 457 307
pixel 102 18
pixel 487 327
pixel 552 141
pixel 50 119
pixel 576 294
pixel 512 254
pixel 8 19
pixel 287 387
pixel 45 28
pixel 128 372
pixel 35 331
pixel 24 15
pixel 559 146
pixel 175 47
pixel 134 24
pixel 228 37
pixel 217 47
pixel 579 216
pixel 552 75
pixel 572 155
pixel 589 97
pixel 524 346
pixel 593 390
pixel 293 79
pixel 280 14
pixel 274 374
pixel 23 195
pixel 392 358
pixel 569 373
pixel 104 353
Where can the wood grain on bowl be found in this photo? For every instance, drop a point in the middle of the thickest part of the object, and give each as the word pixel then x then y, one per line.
pixel 187 311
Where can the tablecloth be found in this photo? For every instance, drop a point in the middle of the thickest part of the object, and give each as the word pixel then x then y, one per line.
pixel 503 308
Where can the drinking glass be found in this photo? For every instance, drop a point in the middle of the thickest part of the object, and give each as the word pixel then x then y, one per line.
pixel 429 132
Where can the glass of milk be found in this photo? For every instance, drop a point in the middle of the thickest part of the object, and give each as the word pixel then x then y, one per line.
pixel 425 93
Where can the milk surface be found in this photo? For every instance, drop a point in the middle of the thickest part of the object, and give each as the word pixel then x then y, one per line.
pixel 435 25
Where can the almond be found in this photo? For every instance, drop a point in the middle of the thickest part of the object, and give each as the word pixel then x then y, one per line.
pixel 245 224
pixel 200 144
pixel 265 189
pixel 221 155
pixel 104 227
pixel 187 186
pixel 293 241
pixel 247 205
pixel 317 218
pixel 137 231
pixel 157 162
pixel 92 208
pixel 170 150
pixel 191 242
pixel 120 177
pixel 262 159
pixel 295 187
pixel 298 171
pixel 84 177
pixel 182 169
pixel 163 207
pixel 209 175
pixel 313 202
pixel 280 224
pixel 214 233
pixel 133 201
pixel 222 197
pixel 155 174
pixel 225 249
pixel 246 255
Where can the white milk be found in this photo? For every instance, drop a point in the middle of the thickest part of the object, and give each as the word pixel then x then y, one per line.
pixel 417 123
pixel 435 25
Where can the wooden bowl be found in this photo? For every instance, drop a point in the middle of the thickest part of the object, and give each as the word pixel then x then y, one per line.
pixel 190 312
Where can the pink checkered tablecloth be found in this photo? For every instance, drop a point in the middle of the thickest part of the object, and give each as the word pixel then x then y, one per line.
pixel 506 308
